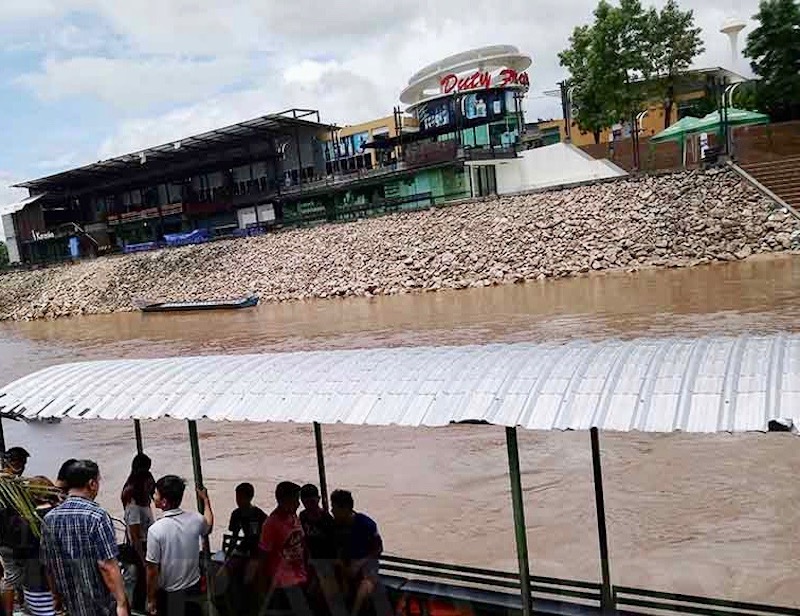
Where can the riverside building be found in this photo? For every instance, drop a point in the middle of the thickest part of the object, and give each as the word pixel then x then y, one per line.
pixel 288 168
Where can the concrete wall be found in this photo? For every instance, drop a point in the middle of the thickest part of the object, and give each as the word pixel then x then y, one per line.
pixel 9 236
pixel 552 165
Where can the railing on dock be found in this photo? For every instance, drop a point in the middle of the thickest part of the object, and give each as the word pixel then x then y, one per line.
pixel 485 591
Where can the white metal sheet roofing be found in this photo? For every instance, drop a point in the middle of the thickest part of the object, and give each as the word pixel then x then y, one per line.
pixel 13 208
pixel 714 384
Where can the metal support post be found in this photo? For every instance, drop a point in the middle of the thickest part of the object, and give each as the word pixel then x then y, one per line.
pixel 323 481
pixel 137 429
pixel 607 600
pixel 519 521
pixel 197 468
pixel 2 438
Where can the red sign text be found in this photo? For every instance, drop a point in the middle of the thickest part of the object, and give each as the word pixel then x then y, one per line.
pixel 481 80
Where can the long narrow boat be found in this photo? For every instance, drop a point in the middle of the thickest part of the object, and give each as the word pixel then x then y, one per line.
pixel 706 385
pixel 233 304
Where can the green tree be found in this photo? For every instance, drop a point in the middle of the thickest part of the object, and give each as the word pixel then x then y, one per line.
pixel 672 42
pixel 603 59
pixel 3 254
pixel 774 50
pixel 587 90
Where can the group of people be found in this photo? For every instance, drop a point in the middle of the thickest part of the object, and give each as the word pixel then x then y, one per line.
pixel 317 562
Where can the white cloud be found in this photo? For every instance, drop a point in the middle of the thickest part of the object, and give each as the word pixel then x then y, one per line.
pixel 183 66
pixel 9 195
pixel 308 71
pixel 134 84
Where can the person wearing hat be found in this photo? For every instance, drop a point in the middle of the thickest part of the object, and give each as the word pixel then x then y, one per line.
pixel 14 462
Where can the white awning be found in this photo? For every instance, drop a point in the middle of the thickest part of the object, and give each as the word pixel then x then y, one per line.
pixel 13 208
pixel 713 384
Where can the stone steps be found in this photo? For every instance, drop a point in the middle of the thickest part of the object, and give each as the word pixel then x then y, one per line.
pixel 781 176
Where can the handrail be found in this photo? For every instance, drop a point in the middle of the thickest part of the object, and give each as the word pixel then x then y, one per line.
pixel 625 597
pixel 490 572
pixel 502 581
pixel 677 598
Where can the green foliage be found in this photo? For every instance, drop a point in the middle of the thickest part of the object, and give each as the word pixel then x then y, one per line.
pixel 774 50
pixel 587 86
pixel 3 254
pixel 672 43
pixel 20 495
pixel 628 52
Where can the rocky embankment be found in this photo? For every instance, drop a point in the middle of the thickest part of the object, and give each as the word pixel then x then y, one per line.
pixel 664 221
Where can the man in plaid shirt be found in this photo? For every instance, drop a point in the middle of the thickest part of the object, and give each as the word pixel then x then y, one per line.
pixel 80 548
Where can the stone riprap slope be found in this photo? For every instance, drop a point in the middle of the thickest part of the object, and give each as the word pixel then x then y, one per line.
pixel 664 221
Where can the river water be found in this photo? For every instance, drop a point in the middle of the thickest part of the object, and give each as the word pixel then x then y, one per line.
pixel 711 515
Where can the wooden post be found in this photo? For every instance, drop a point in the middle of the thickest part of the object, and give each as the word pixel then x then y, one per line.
pixel 607 598
pixel 519 521
pixel 194 443
pixel 323 481
pixel 137 429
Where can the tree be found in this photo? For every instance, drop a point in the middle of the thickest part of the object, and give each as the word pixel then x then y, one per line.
pixel 627 56
pixel 587 91
pixel 672 44
pixel 602 60
pixel 3 254
pixel 774 50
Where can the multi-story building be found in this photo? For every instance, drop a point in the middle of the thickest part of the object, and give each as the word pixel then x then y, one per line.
pixel 289 168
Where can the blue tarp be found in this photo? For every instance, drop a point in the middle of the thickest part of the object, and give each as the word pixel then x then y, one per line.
pixel 140 247
pixel 183 239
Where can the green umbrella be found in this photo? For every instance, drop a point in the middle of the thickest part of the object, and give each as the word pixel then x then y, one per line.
pixel 735 117
pixel 678 131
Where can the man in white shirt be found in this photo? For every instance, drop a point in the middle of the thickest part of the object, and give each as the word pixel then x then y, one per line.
pixel 173 551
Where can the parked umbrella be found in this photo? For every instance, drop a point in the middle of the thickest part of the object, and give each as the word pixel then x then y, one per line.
pixel 714 122
pixel 734 117
pixel 678 131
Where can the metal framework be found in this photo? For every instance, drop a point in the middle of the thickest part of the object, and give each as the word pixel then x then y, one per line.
pixel 739 383
pixel 277 124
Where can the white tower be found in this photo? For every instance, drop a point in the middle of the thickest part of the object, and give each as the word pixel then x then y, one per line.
pixel 732 27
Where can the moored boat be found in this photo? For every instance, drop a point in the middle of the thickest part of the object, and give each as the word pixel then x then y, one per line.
pixel 233 304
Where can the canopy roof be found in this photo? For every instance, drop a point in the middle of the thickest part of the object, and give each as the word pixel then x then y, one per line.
pixel 694 385
pixel 185 149
pixel 677 131
pixel 735 117
pixel 13 208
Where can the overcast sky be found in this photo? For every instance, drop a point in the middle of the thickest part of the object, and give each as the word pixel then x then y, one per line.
pixel 82 80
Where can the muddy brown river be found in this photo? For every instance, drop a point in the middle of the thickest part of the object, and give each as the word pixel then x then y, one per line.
pixel 711 515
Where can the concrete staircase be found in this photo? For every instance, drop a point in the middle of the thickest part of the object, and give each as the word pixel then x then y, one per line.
pixel 781 176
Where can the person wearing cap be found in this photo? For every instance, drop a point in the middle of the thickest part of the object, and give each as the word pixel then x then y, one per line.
pixel 14 462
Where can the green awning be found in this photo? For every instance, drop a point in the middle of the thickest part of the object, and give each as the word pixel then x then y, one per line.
pixel 678 131
pixel 735 117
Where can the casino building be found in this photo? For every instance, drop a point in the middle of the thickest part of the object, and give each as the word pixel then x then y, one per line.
pixel 461 115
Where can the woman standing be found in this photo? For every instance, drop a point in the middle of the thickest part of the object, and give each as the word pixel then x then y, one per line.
pixel 137 499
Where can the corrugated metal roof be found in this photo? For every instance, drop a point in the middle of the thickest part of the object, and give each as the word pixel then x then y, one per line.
pixel 13 208
pixel 694 385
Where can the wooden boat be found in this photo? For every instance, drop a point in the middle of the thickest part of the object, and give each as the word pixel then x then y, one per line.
pixel 233 304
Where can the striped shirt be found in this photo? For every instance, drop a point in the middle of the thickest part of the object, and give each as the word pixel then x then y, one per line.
pixel 39 603
pixel 75 537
